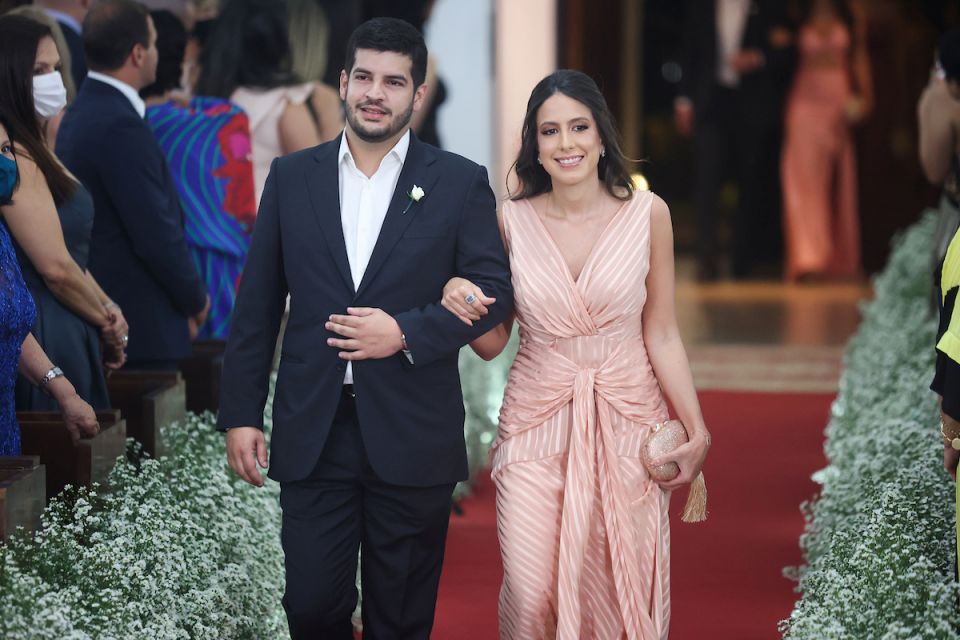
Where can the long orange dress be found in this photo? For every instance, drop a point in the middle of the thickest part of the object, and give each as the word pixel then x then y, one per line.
pixel 583 530
pixel 819 172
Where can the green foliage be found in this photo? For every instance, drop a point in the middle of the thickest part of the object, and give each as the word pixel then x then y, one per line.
pixel 879 542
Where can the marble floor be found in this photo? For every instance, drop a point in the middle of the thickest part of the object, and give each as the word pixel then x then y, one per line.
pixel 766 335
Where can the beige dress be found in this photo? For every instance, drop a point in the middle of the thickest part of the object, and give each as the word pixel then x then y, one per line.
pixel 583 530
pixel 264 108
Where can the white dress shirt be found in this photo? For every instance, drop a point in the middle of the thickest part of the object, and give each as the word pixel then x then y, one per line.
pixel 363 206
pixel 731 22
pixel 123 88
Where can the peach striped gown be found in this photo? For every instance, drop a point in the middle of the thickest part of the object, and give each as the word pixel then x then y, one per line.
pixel 583 530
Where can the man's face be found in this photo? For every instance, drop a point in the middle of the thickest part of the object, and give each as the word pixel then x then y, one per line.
pixel 149 57
pixel 379 94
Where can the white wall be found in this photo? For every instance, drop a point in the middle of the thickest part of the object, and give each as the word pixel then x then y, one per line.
pixel 459 37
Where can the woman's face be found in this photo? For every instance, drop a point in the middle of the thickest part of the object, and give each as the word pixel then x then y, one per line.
pixel 568 140
pixel 48 58
pixel 6 149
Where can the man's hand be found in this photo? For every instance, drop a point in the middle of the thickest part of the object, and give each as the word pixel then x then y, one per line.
pixel 368 334
pixel 950 455
pixel 746 61
pixel 245 449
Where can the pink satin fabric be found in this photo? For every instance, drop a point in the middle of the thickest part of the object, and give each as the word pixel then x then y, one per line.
pixel 583 530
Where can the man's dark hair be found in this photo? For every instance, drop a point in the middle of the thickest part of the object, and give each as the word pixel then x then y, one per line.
pixel 171 43
pixel 390 34
pixel 110 31
pixel 949 54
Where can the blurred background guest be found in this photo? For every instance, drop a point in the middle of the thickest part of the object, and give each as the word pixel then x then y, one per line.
pixel 18 348
pixel 309 37
pixel 207 144
pixel 50 221
pixel 832 91
pixel 735 60
pixel 246 59
pixel 938 120
pixel 69 15
pixel 138 251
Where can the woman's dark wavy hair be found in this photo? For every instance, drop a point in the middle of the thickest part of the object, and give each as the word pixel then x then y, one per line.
pixel 842 8
pixel 612 168
pixel 19 38
pixel 249 46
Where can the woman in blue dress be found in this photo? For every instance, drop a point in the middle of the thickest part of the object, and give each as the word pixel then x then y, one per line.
pixel 18 348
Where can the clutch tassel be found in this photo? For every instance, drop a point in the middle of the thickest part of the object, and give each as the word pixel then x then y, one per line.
pixel 696 507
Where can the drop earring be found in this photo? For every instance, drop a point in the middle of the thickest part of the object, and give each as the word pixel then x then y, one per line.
pixel 539 161
pixel 603 152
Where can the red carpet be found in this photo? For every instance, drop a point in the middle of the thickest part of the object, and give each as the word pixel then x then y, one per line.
pixel 727 573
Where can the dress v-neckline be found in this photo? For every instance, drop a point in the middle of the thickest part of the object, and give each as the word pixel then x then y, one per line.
pixel 599 241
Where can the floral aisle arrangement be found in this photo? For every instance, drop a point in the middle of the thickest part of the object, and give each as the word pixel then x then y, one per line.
pixel 179 548
pixel 879 539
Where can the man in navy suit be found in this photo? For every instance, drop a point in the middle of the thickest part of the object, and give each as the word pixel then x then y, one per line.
pixel 367 442
pixel 138 252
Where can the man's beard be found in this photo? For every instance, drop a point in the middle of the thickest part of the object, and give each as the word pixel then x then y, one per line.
pixel 399 123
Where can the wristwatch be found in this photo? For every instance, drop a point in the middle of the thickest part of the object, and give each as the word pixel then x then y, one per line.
pixel 49 376
pixel 953 442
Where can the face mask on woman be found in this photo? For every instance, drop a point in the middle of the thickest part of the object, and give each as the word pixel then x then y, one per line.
pixel 8 179
pixel 49 94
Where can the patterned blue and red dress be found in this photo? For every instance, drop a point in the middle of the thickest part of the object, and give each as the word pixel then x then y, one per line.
pixel 207 145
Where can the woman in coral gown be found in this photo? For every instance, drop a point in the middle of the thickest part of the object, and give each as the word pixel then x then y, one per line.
pixel 583 529
pixel 831 92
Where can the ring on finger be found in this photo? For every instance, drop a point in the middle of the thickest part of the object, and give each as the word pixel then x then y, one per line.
pixel 470 299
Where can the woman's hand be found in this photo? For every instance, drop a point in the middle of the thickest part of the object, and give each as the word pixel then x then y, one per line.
pixel 689 457
pixel 950 455
pixel 79 417
pixel 855 110
pixel 465 300
pixel 113 357
pixel 115 332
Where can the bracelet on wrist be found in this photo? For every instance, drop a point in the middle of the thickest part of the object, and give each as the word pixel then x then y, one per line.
pixel 48 377
pixel 954 441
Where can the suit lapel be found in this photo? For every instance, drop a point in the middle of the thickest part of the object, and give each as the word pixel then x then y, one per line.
pixel 419 168
pixel 323 185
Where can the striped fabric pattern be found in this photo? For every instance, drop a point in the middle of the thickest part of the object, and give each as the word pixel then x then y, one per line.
pixel 583 530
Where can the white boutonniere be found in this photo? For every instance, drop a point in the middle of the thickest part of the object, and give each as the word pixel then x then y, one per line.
pixel 415 195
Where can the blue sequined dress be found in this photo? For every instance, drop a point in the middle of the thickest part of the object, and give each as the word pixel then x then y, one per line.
pixel 17 314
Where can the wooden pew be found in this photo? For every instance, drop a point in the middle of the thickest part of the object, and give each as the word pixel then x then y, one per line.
pixel 43 434
pixel 148 400
pixel 201 373
pixel 23 487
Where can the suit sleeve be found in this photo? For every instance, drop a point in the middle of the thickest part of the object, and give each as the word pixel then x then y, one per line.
pixel 136 184
pixel 432 332
pixel 256 319
pixel 688 52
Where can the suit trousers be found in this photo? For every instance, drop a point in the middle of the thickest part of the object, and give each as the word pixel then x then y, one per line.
pixel 343 507
pixel 732 141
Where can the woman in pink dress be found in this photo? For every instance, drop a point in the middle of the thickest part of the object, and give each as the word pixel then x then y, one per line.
pixel 831 92
pixel 583 529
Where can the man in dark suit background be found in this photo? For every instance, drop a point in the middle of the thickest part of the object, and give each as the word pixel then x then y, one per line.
pixel 69 14
pixel 138 252
pixel 736 62
pixel 367 442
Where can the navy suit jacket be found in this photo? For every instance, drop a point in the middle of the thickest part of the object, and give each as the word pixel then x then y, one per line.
pixel 410 415
pixel 78 57
pixel 138 252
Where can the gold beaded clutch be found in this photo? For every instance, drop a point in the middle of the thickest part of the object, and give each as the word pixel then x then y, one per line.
pixel 664 437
